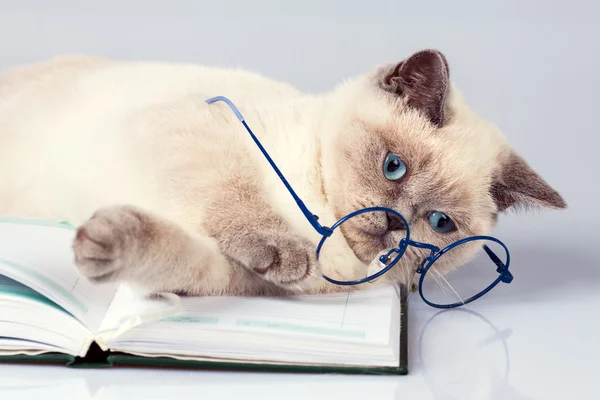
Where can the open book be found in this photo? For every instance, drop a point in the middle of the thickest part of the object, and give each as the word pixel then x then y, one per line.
pixel 50 312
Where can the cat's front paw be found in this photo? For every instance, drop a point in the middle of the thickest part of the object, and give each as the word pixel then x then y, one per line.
pixel 287 261
pixel 109 243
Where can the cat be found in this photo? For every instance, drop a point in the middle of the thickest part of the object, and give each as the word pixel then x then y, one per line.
pixel 169 193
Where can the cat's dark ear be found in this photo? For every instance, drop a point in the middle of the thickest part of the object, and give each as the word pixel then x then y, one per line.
pixel 423 79
pixel 517 185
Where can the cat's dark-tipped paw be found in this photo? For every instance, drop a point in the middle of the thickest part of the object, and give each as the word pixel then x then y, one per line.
pixel 104 244
pixel 292 264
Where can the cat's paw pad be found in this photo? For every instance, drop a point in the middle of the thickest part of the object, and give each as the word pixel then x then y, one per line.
pixel 107 243
pixel 291 263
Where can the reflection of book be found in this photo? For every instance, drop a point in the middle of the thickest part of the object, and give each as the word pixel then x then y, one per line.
pixel 37 382
pixel 16 383
pixel 49 312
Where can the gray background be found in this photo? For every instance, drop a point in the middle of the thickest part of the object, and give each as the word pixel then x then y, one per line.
pixel 529 67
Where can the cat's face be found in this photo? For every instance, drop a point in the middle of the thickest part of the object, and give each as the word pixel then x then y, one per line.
pixel 402 138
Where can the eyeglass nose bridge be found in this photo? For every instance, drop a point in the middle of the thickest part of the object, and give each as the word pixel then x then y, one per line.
pixel 403 245
pixel 430 258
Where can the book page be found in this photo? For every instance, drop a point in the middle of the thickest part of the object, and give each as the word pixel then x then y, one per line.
pixel 31 323
pixel 38 254
pixel 11 287
pixel 354 315
pixel 349 328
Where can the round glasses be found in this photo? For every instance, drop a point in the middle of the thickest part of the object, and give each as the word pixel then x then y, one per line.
pixel 439 287
pixel 435 286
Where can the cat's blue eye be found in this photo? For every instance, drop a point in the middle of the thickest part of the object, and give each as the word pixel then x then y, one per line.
pixel 440 222
pixel 393 167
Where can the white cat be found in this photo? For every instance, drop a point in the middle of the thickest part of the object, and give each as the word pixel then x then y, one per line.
pixel 183 201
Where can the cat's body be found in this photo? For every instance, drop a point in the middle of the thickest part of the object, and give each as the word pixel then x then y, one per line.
pixel 187 202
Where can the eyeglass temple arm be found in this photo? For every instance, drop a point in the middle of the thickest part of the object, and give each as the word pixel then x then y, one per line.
pixel 312 218
pixel 502 268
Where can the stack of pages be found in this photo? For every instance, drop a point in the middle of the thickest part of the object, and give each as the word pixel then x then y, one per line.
pixel 50 313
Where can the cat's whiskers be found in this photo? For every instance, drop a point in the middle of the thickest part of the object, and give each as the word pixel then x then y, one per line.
pixel 439 278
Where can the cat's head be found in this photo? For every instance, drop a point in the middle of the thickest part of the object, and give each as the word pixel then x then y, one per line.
pixel 403 138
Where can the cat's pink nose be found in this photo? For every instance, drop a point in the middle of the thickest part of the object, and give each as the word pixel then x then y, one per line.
pixel 81 234
pixel 394 222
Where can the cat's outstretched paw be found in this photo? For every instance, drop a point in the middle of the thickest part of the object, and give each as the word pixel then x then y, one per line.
pixel 111 242
pixel 287 261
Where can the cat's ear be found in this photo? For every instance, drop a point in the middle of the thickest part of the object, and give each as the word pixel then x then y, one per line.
pixel 423 80
pixel 517 185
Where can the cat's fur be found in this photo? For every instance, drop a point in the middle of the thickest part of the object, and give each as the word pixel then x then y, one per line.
pixel 182 199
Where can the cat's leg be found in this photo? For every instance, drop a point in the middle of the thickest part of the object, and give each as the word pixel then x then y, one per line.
pixel 250 233
pixel 124 243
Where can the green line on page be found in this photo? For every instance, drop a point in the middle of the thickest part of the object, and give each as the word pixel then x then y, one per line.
pixel 37 222
pixel 300 328
pixel 47 281
pixel 193 320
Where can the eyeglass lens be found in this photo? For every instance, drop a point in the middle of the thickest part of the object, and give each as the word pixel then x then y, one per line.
pixel 444 287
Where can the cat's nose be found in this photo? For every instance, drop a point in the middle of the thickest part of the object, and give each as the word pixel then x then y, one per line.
pixel 394 222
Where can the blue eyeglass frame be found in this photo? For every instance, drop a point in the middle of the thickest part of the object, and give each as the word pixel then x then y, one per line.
pixel 504 275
